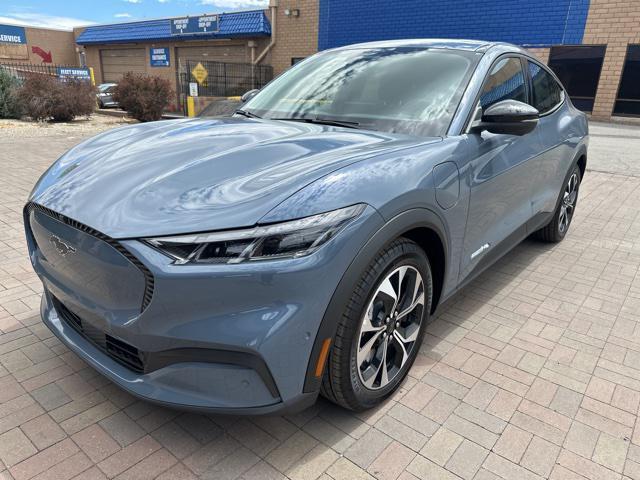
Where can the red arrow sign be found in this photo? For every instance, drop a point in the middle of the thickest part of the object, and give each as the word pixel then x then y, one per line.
pixel 46 56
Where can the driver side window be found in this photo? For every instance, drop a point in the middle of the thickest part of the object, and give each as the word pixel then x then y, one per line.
pixel 505 82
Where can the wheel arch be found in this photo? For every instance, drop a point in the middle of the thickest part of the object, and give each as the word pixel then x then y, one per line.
pixel 429 240
pixel 421 225
pixel 582 162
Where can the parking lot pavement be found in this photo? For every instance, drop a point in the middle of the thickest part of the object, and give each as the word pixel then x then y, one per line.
pixel 615 148
pixel 532 372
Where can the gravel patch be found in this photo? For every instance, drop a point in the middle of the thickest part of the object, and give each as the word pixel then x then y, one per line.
pixel 78 127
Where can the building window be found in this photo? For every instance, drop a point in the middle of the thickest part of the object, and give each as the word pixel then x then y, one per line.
pixel 578 68
pixel 628 101
pixel 295 60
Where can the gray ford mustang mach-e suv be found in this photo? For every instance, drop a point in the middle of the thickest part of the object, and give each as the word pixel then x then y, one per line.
pixel 246 264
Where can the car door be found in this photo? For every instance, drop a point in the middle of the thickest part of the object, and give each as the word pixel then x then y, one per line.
pixel 500 170
pixel 557 136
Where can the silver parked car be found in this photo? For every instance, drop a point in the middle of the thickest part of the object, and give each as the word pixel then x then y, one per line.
pixel 105 95
pixel 246 264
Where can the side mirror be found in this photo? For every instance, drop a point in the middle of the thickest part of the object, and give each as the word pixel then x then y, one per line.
pixel 509 117
pixel 249 95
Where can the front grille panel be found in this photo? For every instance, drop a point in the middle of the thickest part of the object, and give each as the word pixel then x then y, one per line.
pixel 148 276
pixel 126 355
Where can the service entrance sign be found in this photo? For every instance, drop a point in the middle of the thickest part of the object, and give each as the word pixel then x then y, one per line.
pixel 159 57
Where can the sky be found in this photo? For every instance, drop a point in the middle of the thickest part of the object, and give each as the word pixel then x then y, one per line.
pixel 66 14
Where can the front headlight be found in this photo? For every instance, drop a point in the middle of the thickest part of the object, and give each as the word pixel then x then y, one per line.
pixel 295 238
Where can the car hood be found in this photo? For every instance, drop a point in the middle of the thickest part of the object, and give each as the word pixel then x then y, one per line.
pixel 184 176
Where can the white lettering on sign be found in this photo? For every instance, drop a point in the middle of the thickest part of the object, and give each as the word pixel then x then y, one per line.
pixel 11 38
pixel 158 54
pixel 181 23
pixel 205 22
pixel 74 72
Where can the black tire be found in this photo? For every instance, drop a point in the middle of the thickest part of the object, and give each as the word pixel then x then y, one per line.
pixel 553 232
pixel 342 382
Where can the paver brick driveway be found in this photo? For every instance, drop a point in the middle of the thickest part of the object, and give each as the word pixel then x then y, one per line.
pixel 533 371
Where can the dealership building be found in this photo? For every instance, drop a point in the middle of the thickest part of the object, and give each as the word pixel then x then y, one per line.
pixel 593 45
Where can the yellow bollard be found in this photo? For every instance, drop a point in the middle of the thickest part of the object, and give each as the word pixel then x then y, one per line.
pixel 93 78
pixel 191 107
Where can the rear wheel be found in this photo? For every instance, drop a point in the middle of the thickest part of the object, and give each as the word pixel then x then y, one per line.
pixel 381 330
pixel 557 228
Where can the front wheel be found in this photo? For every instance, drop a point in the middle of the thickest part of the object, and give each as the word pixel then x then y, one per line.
pixel 381 329
pixel 557 228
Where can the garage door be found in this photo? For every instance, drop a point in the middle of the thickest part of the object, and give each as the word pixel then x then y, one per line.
pixel 117 62
pixel 218 53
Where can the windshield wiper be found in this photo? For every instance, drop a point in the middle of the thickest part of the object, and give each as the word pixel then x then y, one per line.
pixel 321 121
pixel 244 113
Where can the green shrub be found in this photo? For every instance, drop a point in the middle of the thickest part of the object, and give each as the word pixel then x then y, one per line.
pixel 9 104
pixel 44 97
pixel 145 97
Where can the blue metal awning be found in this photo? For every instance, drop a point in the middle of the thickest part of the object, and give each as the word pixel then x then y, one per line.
pixel 239 24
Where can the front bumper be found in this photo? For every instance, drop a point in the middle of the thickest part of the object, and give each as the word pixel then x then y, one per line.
pixel 220 338
pixel 197 386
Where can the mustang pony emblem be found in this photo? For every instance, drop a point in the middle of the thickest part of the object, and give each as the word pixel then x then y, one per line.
pixel 63 248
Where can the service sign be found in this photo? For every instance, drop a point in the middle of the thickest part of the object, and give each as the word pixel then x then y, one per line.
pixel 195 25
pixel 159 57
pixel 77 73
pixel 12 34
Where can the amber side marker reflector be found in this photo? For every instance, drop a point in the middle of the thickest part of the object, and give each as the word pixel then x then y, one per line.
pixel 322 358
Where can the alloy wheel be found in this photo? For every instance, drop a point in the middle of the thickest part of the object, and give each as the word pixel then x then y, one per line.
pixel 568 205
pixel 390 327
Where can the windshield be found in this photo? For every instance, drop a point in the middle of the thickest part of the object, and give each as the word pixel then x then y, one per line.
pixel 405 90
pixel 105 87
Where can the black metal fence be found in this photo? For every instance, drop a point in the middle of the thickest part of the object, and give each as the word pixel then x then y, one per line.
pixel 224 79
pixel 21 70
pixel 61 72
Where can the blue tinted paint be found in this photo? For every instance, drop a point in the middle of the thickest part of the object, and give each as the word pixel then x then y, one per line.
pixel 540 23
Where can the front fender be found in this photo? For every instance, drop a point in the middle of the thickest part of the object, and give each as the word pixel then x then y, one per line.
pixel 396 227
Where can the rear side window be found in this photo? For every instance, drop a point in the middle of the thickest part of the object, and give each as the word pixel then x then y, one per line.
pixel 546 92
pixel 505 82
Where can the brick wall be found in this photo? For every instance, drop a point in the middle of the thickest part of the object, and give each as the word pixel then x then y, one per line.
pixel 92 55
pixel 59 43
pixel 541 54
pixel 295 36
pixel 615 23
